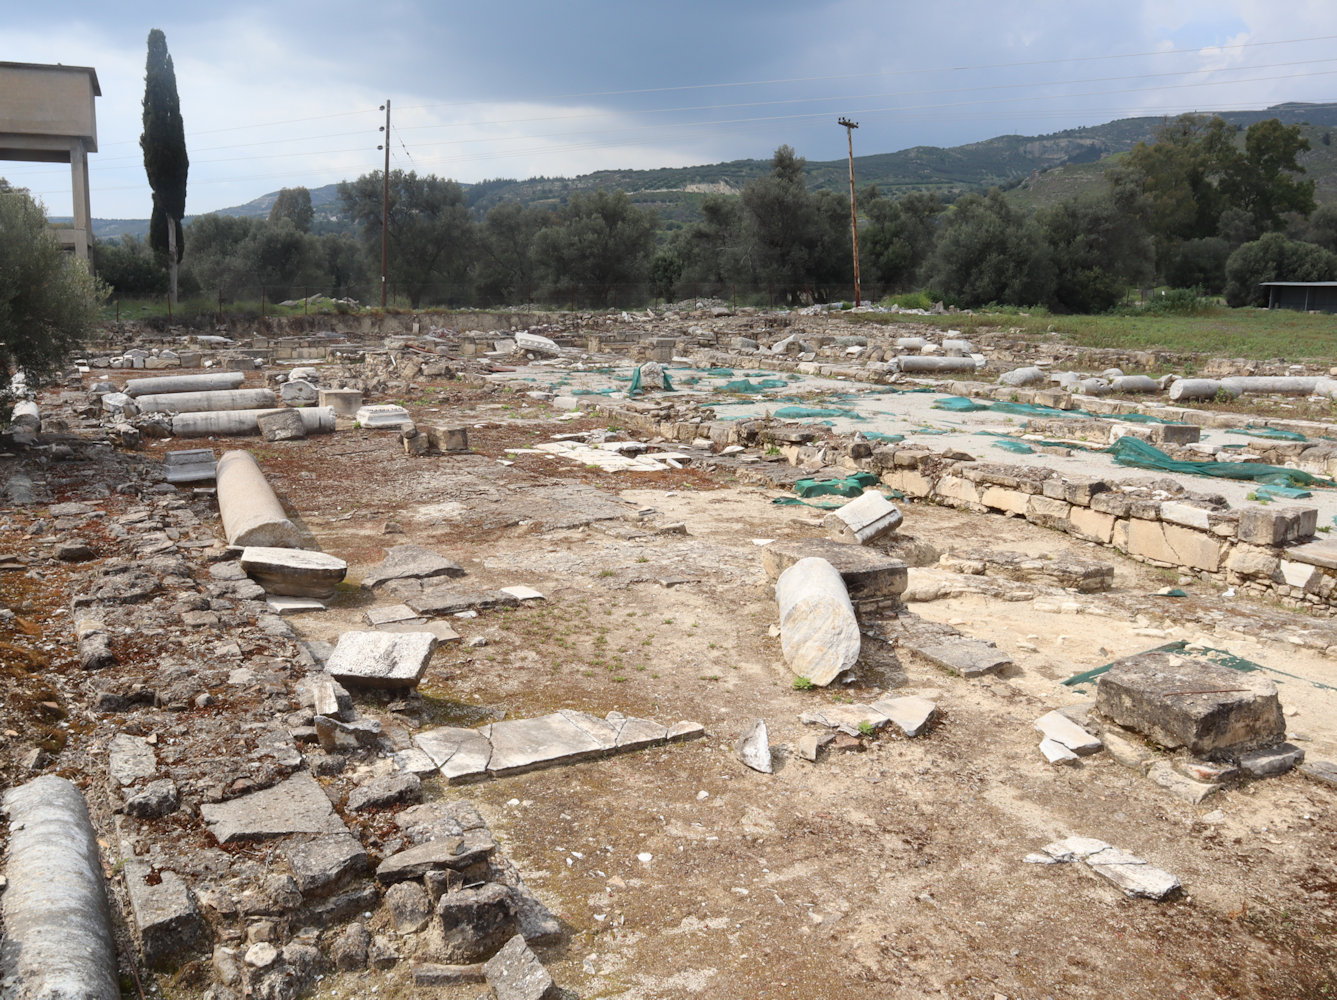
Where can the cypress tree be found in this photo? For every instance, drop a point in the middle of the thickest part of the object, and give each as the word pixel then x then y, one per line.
pixel 164 146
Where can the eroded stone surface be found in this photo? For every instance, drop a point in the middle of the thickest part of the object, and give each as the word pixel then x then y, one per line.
pixel 297 805
pixel 411 562
pixel 819 634
pixel 381 659
pixel 526 744
pixel 967 657
pixel 1177 700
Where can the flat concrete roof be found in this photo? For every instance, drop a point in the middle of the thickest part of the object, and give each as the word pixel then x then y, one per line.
pixel 1300 284
pixel 97 89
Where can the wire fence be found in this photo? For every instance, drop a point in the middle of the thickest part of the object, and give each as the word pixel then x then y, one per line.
pixel 263 302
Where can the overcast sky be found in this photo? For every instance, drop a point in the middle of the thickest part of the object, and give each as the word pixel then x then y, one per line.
pixel 287 93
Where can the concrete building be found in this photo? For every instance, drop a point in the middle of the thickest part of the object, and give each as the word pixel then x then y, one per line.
pixel 47 116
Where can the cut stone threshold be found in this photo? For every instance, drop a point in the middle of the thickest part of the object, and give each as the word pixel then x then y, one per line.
pixel 563 737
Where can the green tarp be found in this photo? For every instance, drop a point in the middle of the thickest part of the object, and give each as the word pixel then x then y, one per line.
pixel 636 383
pixel 1138 454
pixel 850 486
pixel 813 412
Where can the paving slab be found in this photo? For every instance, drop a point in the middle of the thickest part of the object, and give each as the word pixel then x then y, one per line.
pixel 411 562
pixel 189 465
pixel 390 614
pixel 528 744
pixel 381 659
pixel 849 719
pixel 967 657
pixel 1178 700
pixel 1055 752
pixel 297 805
pixel 460 754
pixel 449 599
pixel 167 921
pixel 1180 785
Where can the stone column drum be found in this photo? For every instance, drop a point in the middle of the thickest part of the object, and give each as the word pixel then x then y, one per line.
pixel 251 514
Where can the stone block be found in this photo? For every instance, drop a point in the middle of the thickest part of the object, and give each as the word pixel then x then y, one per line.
pixel 864 519
pixel 1271 761
pixel 389 417
pixel 1186 514
pixel 1058 727
pixel 909 481
pixel 381 659
pixel 475 923
pixel 1301 576
pixel 293 572
pixel 1253 561
pixel 1009 501
pixel 448 439
pixel 867 573
pixel 955 489
pixel 1091 524
pixel 1177 700
pixel 911 714
pixel 1322 553
pixel 323 864
pixel 344 402
pixel 1048 513
pixel 1274 525
pixel 515 973
pixel 167 922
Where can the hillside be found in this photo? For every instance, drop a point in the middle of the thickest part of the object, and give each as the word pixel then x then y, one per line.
pixel 1040 169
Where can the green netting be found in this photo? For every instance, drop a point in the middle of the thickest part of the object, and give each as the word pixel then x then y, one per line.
pixel 746 385
pixel 592 392
pixel 1269 432
pixel 636 383
pixel 813 413
pixel 1014 446
pixel 879 436
pixel 959 404
pixel 1138 454
pixel 720 372
pixel 850 486
pixel 1218 656
pixel 793 501
pixel 1267 491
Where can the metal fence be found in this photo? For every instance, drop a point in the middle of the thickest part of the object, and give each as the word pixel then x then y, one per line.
pixel 262 302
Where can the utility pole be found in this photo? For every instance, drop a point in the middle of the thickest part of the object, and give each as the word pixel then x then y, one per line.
pixel 854 214
pixel 385 203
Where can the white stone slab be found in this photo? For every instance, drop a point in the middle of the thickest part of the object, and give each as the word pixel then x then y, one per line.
pixel 389 615
pixel 1055 752
pixel 293 572
pixel 386 416
pixel 381 659
pixel 911 714
pixel 522 593
pixel 1058 727
pixel 527 744
pixel 294 605
pixel 460 754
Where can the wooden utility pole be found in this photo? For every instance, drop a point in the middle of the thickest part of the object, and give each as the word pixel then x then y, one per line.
pixel 385 204
pixel 854 212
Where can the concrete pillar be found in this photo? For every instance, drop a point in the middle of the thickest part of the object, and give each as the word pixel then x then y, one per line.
pixel 196 402
pixel 83 210
pixel 251 514
pixel 58 940
pixel 819 634
pixel 208 382
pixel 318 420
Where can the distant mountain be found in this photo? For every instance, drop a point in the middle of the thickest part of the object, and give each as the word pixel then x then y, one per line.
pixel 1039 169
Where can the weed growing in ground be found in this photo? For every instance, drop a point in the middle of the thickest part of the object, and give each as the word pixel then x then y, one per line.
pixel 802 684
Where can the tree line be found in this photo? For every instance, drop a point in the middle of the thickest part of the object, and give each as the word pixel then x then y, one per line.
pixel 1201 206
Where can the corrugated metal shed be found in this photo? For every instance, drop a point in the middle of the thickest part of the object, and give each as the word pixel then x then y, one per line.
pixel 1307 296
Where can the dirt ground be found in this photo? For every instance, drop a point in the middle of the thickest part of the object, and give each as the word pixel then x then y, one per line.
pixel 890 870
